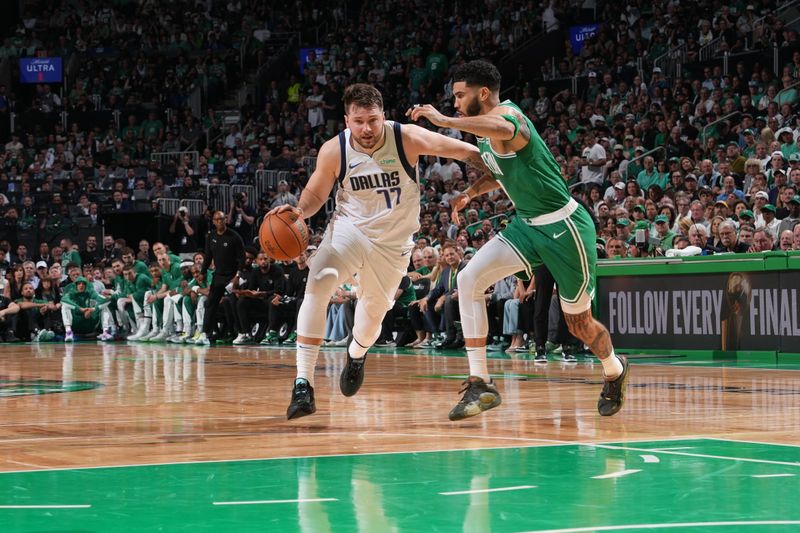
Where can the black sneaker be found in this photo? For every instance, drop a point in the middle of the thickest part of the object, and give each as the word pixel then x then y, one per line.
pixel 478 396
pixel 455 344
pixel 567 353
pixel 613 394
pixel 302 400
pixel 541 355
pixel 352 375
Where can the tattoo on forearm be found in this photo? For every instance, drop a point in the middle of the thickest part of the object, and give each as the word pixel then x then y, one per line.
pixel 591 332
pixel 475 161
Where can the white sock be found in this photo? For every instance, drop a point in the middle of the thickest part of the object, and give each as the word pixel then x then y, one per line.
pixel 612 366
pixel 477 363
pixel 355 350
pixel 306 361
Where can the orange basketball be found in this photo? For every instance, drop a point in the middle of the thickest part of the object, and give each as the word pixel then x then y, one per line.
pixel 283 236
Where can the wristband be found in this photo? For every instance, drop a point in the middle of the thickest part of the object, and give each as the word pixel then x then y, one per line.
pixel 512 119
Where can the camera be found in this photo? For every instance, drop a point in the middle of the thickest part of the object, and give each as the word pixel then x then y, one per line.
pixel 641 239
pixel 238 199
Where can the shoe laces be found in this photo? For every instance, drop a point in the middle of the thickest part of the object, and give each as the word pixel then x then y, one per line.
pixel 468 386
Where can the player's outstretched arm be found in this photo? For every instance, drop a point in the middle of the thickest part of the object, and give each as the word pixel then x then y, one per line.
pixel 419 141
pixel 319 184
pixel 493 125
pixel 425 142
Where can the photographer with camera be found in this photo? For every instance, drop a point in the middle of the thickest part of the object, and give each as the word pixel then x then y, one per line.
pixel 184 236
pixel 643 244
pixel 241 217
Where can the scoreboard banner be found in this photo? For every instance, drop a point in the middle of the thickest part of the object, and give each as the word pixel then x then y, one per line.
pixel 725 311
pixel 40 70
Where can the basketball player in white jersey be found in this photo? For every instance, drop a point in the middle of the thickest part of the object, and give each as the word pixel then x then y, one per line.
pixel 370 233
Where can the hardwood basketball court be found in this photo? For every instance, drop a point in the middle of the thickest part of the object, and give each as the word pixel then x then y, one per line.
pixel 131 437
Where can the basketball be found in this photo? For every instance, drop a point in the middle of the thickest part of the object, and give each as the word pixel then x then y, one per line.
pixel 283 236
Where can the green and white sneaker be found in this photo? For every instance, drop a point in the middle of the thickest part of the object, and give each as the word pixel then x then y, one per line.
pixel 270 338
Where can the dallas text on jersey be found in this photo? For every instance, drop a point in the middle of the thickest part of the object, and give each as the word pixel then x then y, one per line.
pixel 373 181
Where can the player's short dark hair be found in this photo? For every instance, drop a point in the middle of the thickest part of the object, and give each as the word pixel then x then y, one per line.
pixel 479 73
pixel 362 95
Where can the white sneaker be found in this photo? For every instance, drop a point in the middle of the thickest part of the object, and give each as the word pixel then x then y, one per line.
pixel 69 337
pixel 161 337
pixel 106 336
pixel 175 338
pixel 194 338
pixel 242 338
pixel 150 334
pixel 203 340
pixel 340 342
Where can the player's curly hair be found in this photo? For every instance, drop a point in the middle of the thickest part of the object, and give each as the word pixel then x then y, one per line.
pixel 479 73
pixel 362 95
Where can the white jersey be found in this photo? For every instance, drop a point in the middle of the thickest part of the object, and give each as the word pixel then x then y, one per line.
pixel 379 194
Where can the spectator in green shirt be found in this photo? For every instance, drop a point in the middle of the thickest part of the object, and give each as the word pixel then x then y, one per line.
pixel 152 128
pixel 419 75
pixel 650 176
pixel 68 254
pixel 664 233
pixel 436 64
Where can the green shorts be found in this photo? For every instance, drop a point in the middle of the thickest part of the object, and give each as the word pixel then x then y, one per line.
pixel 567 248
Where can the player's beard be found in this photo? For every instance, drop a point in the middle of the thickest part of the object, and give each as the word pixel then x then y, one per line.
pixel 473 109
pixel 370 142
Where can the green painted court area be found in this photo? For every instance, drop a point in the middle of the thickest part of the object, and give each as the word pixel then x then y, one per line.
pixel 705 484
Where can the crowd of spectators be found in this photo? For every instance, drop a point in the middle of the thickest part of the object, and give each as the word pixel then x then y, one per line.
pixel 732 187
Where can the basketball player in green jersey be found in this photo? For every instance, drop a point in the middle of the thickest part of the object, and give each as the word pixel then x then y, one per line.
pixel 550 228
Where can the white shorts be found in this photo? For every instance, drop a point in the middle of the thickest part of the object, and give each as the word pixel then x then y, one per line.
pixel 376 269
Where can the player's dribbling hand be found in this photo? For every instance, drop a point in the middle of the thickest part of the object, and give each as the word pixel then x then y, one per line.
pixel 426 111
pixel 284 208
pixel 458 203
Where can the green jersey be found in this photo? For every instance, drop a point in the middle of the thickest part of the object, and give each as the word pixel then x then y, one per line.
pixel 175 265
pixel 68 257
pixel 141 268
pixel 139 286
pixel 87 298
pixel 121 285
pixel 409 295
pixel 530 177
pixel 193 283
pixel 172 282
